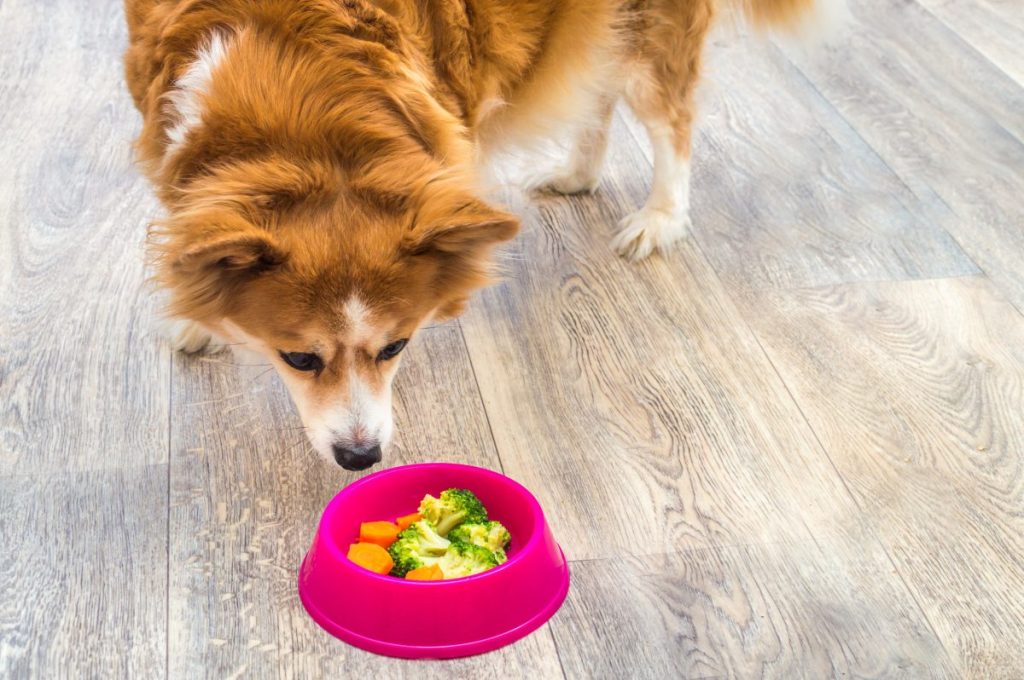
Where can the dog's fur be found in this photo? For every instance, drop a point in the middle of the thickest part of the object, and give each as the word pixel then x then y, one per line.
pixel 318 160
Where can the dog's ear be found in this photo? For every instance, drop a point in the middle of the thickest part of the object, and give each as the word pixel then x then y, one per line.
pixel 456 233
pixel 201 268
pixel 466 227
pixel 229 253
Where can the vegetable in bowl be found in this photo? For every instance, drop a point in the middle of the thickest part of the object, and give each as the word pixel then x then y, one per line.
pixel 449 537
pixel 466 559
pixel 418 546
pixel 490 535
pixel 454 507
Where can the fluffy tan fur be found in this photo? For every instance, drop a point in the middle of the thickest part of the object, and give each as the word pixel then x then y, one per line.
pixel 314 152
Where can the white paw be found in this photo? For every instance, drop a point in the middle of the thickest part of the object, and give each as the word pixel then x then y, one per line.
pixel 189 337
pixel 648 230
pixel 566 181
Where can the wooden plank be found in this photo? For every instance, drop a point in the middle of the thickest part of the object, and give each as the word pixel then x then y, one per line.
pixel 957 81
pixel 247 492
pixel 916 390
pixel 631 399
pixel 634 390
pixel 83 574
pixel 993 27
pixel 83 385
pixel 636 405
pixel 785 193
pixel 942 117
pixel 808 610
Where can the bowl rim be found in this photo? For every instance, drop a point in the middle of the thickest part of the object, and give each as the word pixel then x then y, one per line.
pixel 340 557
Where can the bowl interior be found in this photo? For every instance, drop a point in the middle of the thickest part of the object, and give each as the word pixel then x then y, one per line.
pixel 392 493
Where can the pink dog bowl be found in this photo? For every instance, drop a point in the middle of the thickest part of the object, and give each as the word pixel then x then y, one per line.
pixel 433 619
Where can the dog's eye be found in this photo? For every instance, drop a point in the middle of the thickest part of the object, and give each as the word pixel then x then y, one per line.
pixel 302 361
pixel 392 350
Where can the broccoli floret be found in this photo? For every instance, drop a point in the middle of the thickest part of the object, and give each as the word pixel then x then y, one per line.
pixel 418 546
pixel 454 507
pixel 490 535
pixel 465 559
pixel 431 540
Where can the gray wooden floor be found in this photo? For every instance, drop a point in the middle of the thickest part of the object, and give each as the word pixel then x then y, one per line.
pixel 793 448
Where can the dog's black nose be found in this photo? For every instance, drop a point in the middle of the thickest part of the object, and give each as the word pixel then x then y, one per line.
pixel 356 457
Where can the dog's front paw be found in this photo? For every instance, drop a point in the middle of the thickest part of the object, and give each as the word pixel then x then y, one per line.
pixel 648 230
pixel 191 338
pixel 566 181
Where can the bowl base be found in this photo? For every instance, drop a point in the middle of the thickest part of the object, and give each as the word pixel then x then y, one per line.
pixel 461 649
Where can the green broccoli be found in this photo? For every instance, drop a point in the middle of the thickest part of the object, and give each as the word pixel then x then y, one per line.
pixel 418 546
pixel 451 509
pixel 465 559
pixel 490 535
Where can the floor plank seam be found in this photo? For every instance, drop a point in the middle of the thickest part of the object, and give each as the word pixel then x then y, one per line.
pixel 737 545
pixel 981 275
pixel 865 525
pixel 981 55
pixel 167 530
pixel 558 652
pixel 803 416
pixel 828 103
pixel 985 274
pixel 954 660
pixel 480 396
pixel 750 331
pixel 789 392
pixel 804 76
pixel 899 176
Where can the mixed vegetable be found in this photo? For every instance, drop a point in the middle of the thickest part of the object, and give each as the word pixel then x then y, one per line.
pixel 449 537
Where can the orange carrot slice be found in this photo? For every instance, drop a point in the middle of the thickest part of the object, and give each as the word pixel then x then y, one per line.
pixel 381 533
pixel 431 573
pixel 371 556
pixel 405 521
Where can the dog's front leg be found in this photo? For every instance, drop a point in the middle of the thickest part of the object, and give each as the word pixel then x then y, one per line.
pixel 582 173
pixel 660 93
pixel 664 218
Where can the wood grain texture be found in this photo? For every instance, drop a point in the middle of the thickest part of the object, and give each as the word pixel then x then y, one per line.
pixel 761 463
pixel 82 385
pixel 638 388
pixel 785 193
pixel 83 574
pixel 246 494
pixel 916 390
pixel 943 117
pixel 811 610
pixel 993 27
pixel 84 393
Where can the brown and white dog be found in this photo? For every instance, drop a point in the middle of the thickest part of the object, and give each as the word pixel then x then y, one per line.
pixel 318 163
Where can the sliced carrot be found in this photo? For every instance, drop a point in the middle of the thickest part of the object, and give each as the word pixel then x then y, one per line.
pixel 381 533
pixel 371 556
pixel 431 573
pixel 405 521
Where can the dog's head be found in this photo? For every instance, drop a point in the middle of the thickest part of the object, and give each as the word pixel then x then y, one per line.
pixel 317 210
pixel 328 276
